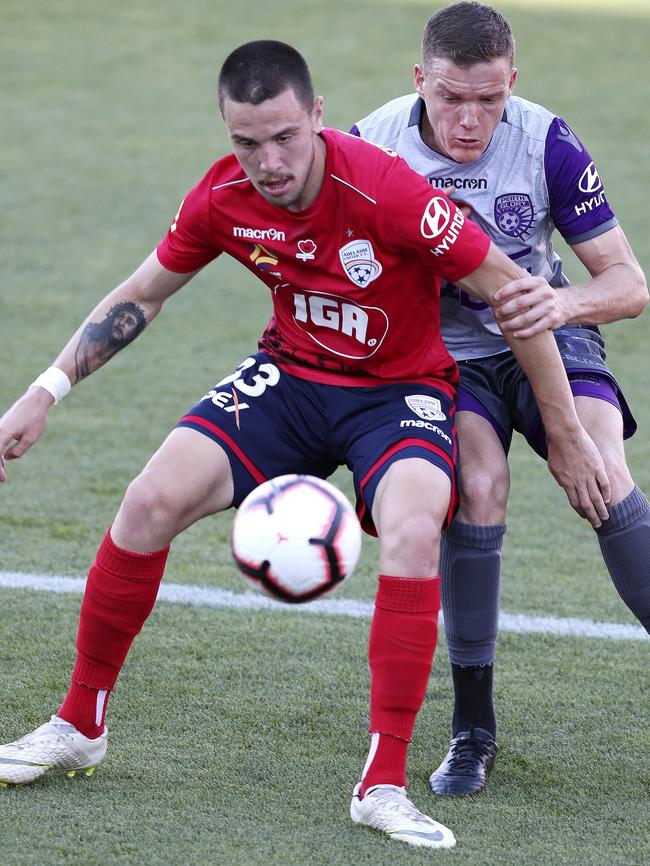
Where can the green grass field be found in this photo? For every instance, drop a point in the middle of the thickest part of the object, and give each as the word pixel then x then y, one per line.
pixel 236 736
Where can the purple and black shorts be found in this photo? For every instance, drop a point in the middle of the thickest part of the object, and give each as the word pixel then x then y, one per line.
pixel 496 387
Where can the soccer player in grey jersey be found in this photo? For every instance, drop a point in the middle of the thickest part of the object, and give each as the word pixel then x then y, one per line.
pixel 521 173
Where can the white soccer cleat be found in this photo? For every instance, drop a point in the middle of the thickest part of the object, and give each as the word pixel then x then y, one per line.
pixel 56 745
pixel 387 808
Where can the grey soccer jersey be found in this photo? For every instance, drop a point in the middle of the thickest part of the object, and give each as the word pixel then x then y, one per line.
pixel 534 176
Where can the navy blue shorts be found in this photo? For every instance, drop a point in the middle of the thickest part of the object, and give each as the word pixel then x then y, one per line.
pixel 497 388
pixel 271 423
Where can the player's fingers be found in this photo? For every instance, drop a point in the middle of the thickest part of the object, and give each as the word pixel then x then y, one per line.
pixel 571 493
pixel 515 307
pixel 3 474
pixel 597 498
pixel 514 288
pixel 590 500
pixel 19 448
pixel 605 487
pixel 520 318
pixel 5 439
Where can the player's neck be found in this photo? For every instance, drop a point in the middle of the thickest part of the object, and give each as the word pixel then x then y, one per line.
pixel 315 178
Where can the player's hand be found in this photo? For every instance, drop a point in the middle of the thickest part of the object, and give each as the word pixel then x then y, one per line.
pixel 528 306
pixel 23 425
pixel 577 466
pixel 462 206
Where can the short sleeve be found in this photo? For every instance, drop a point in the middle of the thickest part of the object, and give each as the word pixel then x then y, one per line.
pixel 187 245
pixel 413 215
pixel 578 205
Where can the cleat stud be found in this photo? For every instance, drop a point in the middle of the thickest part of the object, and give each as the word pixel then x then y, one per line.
pixel 3 784
pixel 71 773
pixel 90 771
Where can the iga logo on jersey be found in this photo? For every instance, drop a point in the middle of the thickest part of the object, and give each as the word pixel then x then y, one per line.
pixel 359 262
pixel 425 407
pixel 343 328
pixel 514 214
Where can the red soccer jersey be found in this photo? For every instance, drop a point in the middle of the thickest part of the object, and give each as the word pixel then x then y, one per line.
pixel 354 278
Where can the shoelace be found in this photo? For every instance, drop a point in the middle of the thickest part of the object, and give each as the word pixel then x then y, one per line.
pixel 465 753
pixel 397 801
pixel 63 732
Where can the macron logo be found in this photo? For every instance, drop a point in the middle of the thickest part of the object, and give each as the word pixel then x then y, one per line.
pixel 258 234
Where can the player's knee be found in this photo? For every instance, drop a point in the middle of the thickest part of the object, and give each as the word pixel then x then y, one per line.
pixel 412 544
pixel 147 503
pixel 484 496
pixel 620 480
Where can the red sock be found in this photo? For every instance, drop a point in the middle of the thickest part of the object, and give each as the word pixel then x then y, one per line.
pixel 403 638
pixel 120 594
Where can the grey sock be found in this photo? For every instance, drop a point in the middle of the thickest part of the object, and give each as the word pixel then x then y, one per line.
pixel 470 568
pixel 625 544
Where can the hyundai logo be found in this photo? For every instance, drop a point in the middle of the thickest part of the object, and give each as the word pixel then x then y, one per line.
pixel 589 181
pixel 435 218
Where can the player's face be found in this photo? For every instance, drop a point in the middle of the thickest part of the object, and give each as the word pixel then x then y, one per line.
pixel 123 324
pixel 463 106
pixel 278 146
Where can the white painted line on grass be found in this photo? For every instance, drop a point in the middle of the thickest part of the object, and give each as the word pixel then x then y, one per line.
pixel 202 596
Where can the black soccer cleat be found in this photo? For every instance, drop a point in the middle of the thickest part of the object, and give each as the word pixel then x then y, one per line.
pixel 466 765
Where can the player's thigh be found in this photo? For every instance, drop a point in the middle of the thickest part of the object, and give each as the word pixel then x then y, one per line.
pixel 410 508
pixel 268 422
pixel 484 471
pixel 604 423
pixel 379 426
pixel 187 478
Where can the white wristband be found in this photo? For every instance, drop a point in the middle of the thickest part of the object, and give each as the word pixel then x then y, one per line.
pixel 55 381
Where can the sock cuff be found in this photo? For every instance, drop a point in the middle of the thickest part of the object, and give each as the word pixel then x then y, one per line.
pixel 129 564
pixel 408 594
pixel 94 674
pixel 488 537
pixel 625 512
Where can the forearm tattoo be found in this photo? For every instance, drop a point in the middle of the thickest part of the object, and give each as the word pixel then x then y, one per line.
pixel 101 340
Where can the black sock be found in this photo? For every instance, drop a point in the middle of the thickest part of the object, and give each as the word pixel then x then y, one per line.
pixel 474 706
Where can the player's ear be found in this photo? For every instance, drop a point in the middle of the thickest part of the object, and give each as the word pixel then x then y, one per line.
pixel 418 77
pixel 317 114
pixel 513 79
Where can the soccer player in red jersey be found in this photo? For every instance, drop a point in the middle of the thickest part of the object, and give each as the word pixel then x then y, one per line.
pixel 351 369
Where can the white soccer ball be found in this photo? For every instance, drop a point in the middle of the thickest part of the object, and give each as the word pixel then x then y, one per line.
pixel 296 537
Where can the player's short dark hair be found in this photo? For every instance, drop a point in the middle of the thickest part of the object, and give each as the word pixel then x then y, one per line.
pixel 262 70
pixel 467 33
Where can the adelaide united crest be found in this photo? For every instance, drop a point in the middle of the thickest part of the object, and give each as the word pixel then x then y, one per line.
pixel 359 262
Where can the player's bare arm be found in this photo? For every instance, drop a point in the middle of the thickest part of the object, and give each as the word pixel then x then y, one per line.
pixel 617 290
pixel 114 323
pixel 573 458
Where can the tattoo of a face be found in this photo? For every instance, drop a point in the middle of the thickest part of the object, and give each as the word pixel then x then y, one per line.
pixel 101 340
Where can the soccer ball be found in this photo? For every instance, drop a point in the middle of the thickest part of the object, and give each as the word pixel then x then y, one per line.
pixel 296 537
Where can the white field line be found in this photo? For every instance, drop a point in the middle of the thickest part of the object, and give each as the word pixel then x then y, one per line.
pixel 201 596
